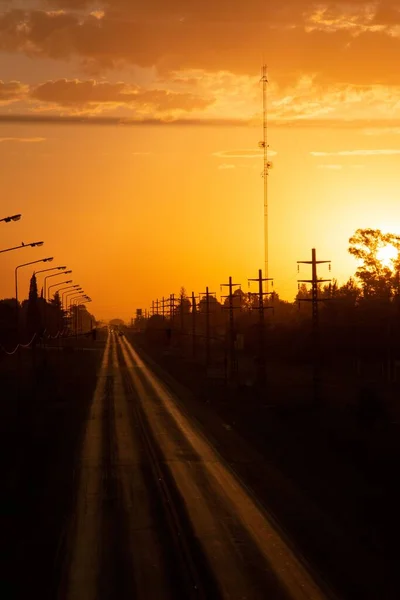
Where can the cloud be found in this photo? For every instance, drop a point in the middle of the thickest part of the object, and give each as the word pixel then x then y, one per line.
pixel 331 40
pixel 90 94
pixel 95 119
pixel 226 166
pixel 30 140
pixel 378 152
pixel 12 91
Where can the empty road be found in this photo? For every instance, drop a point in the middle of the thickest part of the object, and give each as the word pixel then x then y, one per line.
pixel 158 514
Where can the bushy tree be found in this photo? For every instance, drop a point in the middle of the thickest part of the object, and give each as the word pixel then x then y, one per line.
pixel 377 279
pixel 33 318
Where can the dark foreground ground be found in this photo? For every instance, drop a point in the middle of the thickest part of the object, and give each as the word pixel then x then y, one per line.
pixel 328 476
pixel 43 410
pixel 329 480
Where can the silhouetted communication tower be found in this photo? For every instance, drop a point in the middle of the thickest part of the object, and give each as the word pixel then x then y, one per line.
pixel 267 165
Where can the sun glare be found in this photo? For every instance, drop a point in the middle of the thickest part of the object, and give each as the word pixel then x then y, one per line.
pixel 386 255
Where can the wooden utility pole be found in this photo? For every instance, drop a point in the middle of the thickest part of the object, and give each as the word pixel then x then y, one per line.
pixel 262 377
pixel 182 298
pixel 172 308
pixel 163 307
pixel 152 308
pixel 233 364
pixel 315 282
pixel 207 295
pixel 157 306
pixel 194 314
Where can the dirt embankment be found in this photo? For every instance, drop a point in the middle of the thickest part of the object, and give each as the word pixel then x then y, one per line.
pixel 44 406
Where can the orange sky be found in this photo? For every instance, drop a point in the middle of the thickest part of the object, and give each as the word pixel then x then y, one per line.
pixel 176 197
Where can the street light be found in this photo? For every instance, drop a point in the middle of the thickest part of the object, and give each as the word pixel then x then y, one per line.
pixel 78 294
pixel 74 287
pixel 52 269
pixel 70 294
pixel 75 296
pixel 77 302
pixel 30 245
pixel 12 218
pixel 57 284
pixel 33 262
pixel 63 290
pixel 48 277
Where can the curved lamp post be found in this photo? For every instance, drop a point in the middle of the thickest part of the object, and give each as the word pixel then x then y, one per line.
pixel 52 269
pixel 72 299
pixel 46 270
pixel 45 295
pixel 33 262
pixel 71 294
pixel 71 287
pixel 56 285
pixel 30 245
pixel 78 302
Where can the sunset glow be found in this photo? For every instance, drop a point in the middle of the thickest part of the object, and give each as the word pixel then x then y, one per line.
pixel 129 139
pixel 387 255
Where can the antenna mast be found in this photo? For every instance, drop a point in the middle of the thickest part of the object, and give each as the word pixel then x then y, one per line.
pixel 267 164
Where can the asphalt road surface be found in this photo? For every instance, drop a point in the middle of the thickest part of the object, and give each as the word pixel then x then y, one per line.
pixel 158 514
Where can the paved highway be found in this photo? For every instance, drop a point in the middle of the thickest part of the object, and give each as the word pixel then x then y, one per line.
pixel 158 514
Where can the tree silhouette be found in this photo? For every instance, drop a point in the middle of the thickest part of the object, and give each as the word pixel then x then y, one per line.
pixel 33 320
pixel 377 279
pixel 54 320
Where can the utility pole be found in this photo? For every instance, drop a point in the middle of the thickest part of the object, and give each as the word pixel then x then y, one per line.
pixel 152 308
pixel 207 295
pixel 233 365
pixel 194 311
pixel 181 311
pixel 163 307
pixel 172 308
pixel 157 306
pixel 315 318
pixel 261 329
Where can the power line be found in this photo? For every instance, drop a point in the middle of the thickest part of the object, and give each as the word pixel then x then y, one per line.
pixel 194 311
pixel 233 363
pixel 315 282
pixel 261 329
pixel 208 295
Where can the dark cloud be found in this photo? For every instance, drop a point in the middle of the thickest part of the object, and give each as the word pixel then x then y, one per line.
pixel 73 119
pixel 334 44
pixel 75 93
pixel 387 13
pixel 365 125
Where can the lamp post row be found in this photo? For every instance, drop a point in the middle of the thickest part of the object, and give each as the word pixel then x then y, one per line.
pixel 82 297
